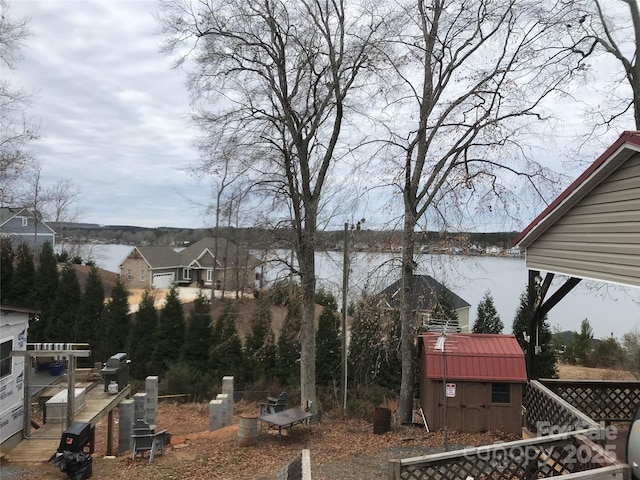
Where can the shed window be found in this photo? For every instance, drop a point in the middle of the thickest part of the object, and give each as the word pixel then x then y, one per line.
pixel 5 358
pixel 500 393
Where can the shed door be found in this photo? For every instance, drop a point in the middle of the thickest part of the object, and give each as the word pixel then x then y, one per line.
pixel 454 413
pixel 473 407
pixel 163 280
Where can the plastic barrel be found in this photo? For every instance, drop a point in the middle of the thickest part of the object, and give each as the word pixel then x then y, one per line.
pixel 381 420
pixel 248 431
pixel 55 369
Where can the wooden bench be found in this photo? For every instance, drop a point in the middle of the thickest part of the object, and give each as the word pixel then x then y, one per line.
pixel 145 438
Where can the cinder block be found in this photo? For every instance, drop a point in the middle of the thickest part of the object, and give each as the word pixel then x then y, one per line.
pixel 216 415
pixel 227 385
pixel 228 408
pixel 138 409
pixel 125 423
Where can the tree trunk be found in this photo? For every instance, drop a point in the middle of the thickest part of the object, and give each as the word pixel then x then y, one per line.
pixel 407 321
pixel 306 262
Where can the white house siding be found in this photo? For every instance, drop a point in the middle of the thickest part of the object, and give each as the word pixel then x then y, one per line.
pixel 13 327
pixel 463 319
pixel 599 238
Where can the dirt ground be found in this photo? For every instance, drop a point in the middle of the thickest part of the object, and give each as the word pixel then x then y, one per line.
pixel 340 449
pixel 343 449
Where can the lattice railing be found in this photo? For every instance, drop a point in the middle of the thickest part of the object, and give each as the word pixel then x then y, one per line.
pixel 541 457
pixel 564 446
pixel 546 413
pixel 605 400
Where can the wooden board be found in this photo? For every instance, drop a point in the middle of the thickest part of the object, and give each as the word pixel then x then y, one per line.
pixel 43 443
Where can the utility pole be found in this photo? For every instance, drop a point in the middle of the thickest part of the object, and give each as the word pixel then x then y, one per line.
pixel 345 285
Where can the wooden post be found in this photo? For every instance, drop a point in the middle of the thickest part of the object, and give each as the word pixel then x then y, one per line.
pixel 26 415
pixel 532 324
pixel 71 389
pixel 395 469
pixel 110 433
pixel 345 287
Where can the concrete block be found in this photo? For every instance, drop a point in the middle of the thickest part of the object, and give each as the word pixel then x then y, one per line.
pixel 216 415
pixel 138 409
pixel 227 385
pixel 125 425
pixel 57 405
pixel 228 408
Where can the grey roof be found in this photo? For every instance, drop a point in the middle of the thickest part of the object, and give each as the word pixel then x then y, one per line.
pixel 425 292
pixel 193 251
pixel 166 257
pixel 227 252
pixel 160 257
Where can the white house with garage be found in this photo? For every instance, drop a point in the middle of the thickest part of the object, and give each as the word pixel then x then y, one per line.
pixel 210 262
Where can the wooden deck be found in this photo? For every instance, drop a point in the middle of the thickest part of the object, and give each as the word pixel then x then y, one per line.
pixel 42 443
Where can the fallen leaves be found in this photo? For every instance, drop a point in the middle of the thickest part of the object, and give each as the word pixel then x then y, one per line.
pixel 341 448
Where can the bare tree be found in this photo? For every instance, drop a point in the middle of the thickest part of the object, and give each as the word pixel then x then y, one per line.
pixel 607 26
pixel 220 165
pixel 60 205
pixel 16 130
pixel 274 77
pixel 61 202
pixel 469 80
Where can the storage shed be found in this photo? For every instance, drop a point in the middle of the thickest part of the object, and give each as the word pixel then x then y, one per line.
pixel 480 378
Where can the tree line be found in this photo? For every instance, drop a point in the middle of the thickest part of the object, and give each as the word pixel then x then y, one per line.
pixel 269 238
pixel 192 351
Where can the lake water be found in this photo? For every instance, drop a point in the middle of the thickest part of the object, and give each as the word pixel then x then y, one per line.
pixel 610 309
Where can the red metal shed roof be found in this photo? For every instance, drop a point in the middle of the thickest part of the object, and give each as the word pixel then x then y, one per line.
pixel 475 356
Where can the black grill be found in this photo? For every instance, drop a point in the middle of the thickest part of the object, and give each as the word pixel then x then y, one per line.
pixel 116 370
pixel 75 438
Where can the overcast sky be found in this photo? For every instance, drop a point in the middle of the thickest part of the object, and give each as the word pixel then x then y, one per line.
pixel 115 114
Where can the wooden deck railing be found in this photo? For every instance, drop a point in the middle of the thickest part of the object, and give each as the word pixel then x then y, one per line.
pixel 547 413
pixel 603 401
pixel 567 443
pixel 569 455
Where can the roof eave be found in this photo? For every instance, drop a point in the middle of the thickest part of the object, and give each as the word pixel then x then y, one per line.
pixel 620 151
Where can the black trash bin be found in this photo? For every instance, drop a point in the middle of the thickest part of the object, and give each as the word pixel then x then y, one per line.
pixel 77 466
